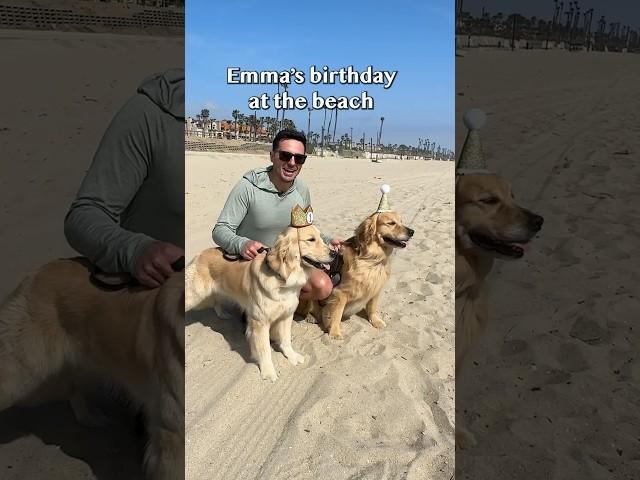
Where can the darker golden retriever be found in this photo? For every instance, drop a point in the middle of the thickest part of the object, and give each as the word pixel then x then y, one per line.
pixel 489 225
pixel 364 272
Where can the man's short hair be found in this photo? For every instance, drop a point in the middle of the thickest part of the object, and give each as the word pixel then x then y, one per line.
pixel 288 134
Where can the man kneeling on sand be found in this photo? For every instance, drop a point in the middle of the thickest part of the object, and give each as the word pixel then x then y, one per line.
pixel 259 208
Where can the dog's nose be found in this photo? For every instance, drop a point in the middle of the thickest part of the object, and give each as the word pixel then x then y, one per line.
pixel 333 254
pixel 410 231
pixel 536 221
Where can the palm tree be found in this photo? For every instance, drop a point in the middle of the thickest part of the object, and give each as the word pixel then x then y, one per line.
pixel 277 110
pixel 255 126
pixel 286 88
pixel 204 113
pixel 323 125
pixel 335 124
pixel 329 127
pixel 380 132
pixel 288 124
pixel 241 121
pixel 235 114
pixel 272 126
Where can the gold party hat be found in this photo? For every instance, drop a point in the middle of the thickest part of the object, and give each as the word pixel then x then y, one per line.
pixel 472 159
pixel 301 217
pixel 384 206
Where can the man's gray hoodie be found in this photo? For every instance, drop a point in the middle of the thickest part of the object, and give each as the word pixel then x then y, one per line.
pixel 255 210
pixel 133 192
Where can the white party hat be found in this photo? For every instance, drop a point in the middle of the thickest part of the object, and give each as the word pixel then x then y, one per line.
pixel 472 159
pixel 383 206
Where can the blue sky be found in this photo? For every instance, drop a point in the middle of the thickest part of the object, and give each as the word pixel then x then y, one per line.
pixel 413 37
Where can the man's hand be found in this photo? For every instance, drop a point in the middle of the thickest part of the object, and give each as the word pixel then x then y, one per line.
pixel 336 244
pixel 250 249
pixel 153 267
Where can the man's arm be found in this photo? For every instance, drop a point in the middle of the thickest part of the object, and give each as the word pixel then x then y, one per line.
pixel 121 163
pixel 234 211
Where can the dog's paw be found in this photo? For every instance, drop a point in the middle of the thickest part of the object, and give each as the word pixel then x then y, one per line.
pixel 464 439
pixel 295 358
pixel 268 372
pixel 335 333
pixel 377 322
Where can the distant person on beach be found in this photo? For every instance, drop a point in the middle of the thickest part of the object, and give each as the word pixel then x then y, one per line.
pixel 128 216
pixel 259 207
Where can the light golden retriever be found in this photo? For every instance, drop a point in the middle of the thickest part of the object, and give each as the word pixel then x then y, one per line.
pixel 489 225
pixel 266 288
pixel 57 321
pixel 365 271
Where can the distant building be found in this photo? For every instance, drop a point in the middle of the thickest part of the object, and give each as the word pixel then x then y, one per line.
pixel 229 129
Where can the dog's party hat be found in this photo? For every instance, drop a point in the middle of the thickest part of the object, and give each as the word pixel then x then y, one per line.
pixel 301 217
pixel 383 206
pixel 471 159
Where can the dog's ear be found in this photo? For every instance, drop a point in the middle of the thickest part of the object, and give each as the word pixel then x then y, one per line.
pixel 366 231
pixel 284 257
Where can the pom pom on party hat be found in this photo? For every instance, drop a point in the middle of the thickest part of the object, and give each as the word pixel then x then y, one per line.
pixel 472 159
pixel 383 206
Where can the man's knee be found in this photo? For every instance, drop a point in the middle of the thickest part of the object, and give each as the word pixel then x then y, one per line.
pixel 323 286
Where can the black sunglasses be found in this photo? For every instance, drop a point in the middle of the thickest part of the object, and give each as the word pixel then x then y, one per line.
pixel 286 156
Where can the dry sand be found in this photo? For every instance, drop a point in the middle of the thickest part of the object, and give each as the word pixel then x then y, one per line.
pixel 552 389
pixel 60 91
pixel 379 404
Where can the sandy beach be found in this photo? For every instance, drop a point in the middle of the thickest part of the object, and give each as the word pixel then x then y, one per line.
pixel 551 391
pixel 59 94
pixel 379 404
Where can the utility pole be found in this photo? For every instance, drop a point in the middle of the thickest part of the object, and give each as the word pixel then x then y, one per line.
pixel 553 23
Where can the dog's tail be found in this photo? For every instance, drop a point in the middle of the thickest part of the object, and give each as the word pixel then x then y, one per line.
pixel 32 347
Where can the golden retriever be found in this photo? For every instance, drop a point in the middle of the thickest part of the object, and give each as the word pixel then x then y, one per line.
pixel 57 320
pixel 364 272
pixel 266 288
pixel 489 225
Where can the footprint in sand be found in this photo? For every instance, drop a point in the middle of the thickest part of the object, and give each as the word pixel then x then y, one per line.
pixel 434 278
pixel 571 357
pixel 426 290
pixel 370 349
pixel 513 347
pixel 589 332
